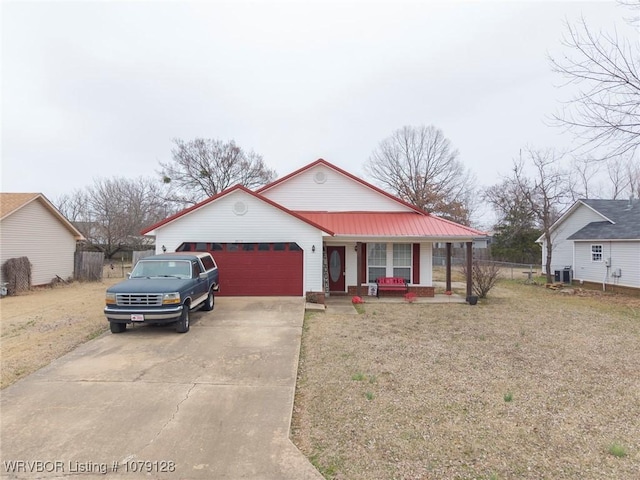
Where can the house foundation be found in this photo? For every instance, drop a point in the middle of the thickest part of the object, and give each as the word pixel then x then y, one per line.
pixel 417 290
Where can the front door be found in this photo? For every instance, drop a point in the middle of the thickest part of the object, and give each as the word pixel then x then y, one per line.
pixel 335 260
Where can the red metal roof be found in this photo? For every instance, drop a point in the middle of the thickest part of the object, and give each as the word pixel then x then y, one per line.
pixel 389 224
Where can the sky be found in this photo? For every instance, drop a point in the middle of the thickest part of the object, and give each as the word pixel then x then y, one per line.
pixel 100 89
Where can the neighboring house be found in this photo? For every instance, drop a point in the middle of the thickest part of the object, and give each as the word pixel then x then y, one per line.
pixel 598 241
pixel 30 226
pixel 318 229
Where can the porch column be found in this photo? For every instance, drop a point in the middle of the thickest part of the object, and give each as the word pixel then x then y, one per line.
pixel 359 267
pixel 469 269
pixel 448 269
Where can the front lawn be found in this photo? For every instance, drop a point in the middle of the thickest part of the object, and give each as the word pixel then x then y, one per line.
pixel 530 383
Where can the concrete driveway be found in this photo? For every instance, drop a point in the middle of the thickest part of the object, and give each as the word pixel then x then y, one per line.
pixel 214 403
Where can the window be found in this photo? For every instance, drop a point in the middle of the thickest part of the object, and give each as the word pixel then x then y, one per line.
pixel 279 247
pixel 389 260
pixel 402 261
pixel 208 263
pixel 196 269
pixel 596 253
pixel 263 247
pixel 248 247
pixel 377 260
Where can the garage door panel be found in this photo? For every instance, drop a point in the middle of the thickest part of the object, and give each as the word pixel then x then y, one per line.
pixel 258 269
pixel 260 273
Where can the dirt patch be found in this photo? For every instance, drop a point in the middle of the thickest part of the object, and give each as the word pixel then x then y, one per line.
pixel 528 384
pixel 43 324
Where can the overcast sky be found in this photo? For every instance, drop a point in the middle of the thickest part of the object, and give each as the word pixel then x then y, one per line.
pixel 98 89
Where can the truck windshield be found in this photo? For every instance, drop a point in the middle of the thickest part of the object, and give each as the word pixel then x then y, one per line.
pixel 162 268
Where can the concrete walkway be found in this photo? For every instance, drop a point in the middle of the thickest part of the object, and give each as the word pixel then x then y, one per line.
pixel 214 403
pixel 342 305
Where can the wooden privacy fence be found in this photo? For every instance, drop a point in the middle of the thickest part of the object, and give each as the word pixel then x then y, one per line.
pixel 140 254
pixel 88 266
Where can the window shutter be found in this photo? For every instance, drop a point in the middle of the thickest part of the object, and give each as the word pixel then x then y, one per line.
pixel 416 263
pixel 363 267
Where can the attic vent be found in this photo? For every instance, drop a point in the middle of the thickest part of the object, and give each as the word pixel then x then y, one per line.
pixel 320 177
pixel 240 208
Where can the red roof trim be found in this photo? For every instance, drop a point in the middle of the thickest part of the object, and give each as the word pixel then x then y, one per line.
pixel 322 161
pixel 225 193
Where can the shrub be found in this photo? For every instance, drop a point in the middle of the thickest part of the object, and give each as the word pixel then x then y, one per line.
pixel 484 276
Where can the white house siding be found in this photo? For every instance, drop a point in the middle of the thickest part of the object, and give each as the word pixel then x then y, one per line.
pixel 218 222
pixel 562 249
pixel 337 193
pixel 34 232
pixel 622 255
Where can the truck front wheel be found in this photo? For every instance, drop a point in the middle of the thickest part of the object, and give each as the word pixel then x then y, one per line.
pixel 183 323
pixel 117 327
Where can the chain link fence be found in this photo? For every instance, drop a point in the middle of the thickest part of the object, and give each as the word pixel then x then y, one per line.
pixel 510 270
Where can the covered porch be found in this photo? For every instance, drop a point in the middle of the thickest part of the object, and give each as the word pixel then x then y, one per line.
pixel 351 266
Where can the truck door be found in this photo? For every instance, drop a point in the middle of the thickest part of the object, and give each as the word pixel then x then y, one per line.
pixel 202 286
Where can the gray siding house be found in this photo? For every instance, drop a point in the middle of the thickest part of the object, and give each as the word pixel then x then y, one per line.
pixel 599 240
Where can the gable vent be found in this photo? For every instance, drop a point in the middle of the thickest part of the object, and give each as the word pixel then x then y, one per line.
pixel 240 208
pixel 320 177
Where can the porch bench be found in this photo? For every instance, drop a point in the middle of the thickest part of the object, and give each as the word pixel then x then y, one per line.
pixel 391 284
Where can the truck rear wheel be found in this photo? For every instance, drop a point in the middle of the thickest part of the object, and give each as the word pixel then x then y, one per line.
pixel 183 323
pixel 117 327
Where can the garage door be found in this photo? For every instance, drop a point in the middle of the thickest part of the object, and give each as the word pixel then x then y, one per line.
pixel 255 269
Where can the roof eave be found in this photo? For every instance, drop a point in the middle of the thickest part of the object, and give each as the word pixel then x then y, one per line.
pixel 603 239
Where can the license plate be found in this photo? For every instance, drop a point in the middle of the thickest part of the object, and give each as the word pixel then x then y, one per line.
pixel 137 318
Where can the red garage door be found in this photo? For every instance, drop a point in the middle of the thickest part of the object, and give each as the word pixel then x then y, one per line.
pixel 255 269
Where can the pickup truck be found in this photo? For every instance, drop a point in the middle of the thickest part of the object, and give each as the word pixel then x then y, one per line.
pixel 163 289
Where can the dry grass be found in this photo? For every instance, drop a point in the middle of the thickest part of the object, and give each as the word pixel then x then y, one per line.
pixel 528 384
pixel 38 326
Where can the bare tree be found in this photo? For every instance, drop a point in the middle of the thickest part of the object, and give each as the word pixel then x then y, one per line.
pixel 606 110
pixel 73 206
pixel 112 212
pixel 618 173
pixel 546 191
pixel 584 176
pixel 419 165
pixel 203 167
pixel 633 173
